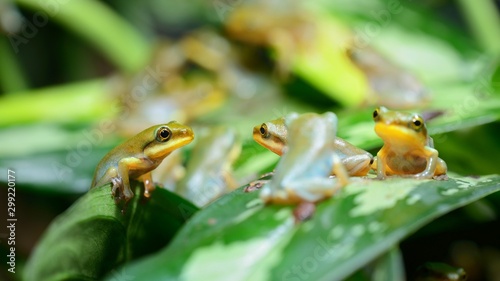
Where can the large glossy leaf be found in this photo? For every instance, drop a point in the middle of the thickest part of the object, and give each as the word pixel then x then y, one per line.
pixel 95 235
pixel 239 238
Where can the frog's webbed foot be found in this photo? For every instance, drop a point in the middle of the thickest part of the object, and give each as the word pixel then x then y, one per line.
pixel 117 184
pixel 304 211
pixel 443 177
pixel 255 185
pixel 125 192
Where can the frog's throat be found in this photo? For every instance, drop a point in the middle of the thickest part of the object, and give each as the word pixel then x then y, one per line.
pixel 399 135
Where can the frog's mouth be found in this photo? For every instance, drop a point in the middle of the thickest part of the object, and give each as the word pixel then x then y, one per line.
pixel 396 134
pixel 161 150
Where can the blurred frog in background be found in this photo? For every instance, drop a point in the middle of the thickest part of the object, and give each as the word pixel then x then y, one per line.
pixel 183 81
pixel 390 85
pixel 179 98
pixel 209 170
pixel 283 27
pixel 303 172
pixel 408 150
pixel 321 49
pixel 273 135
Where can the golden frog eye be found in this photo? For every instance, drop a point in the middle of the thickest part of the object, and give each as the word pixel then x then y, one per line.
pixel 376 114
pixel 163 134
pixel 263 131
pixel 417 122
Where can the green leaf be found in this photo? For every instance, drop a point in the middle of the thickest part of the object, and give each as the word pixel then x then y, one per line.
pixel 97 23
pixel 239 238
pixel 75 102
pixel 389 266
pixel 93 236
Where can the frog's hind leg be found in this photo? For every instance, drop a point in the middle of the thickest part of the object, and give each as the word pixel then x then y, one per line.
pixel 340 172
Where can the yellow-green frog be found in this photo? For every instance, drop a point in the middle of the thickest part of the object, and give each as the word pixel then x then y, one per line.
pixel 302 174
pixel 273 135
pixel 408 150
pixel 208 172
pixel 138 156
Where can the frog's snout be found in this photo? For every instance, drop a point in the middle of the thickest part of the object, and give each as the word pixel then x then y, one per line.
pixel 187 133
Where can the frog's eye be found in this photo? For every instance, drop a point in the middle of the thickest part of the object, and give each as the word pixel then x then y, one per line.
pixel 376 114
pixel 163 134
pixel 263 131
pixel 417 122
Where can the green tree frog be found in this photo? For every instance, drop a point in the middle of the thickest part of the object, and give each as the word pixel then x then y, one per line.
pixel 273 135
pixel 408 150
pixel 302 174
pixel 138 156
pixel 208 172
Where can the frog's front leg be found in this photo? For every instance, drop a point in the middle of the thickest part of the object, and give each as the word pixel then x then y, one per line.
pixel 381 173
pixel 441 169
pixel 123 174
pixel 432 161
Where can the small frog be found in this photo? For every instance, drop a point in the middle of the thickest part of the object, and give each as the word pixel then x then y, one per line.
pixel 208 172
pixel 138 156
pixel 436 271
pixel 302 174
pixel 273 136
pixel 408 150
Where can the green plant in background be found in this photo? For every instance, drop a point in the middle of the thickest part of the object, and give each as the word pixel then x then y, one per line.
pixel 268 68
